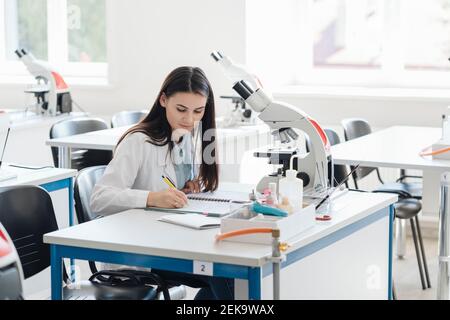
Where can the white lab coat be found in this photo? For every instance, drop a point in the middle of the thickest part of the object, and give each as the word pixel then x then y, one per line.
pixel 136 169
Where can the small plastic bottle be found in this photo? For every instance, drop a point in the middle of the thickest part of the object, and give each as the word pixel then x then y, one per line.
pixel 272 198
pixel 285 205
pixel 292 188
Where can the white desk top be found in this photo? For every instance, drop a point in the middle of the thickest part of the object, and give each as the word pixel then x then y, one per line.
pixel 394 147
pixel 36 177
pixel 107 139
pixel 21 119
pixel 138 231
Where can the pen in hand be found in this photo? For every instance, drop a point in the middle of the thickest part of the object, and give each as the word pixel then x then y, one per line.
pixel 168 182
pixel 171 185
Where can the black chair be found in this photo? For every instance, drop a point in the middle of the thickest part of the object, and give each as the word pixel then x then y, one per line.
pixel 126 118
pixel 408 206
pixel 83 186
pixel 340 171
pixel 80 158
pixel 355 128
pixel 27 214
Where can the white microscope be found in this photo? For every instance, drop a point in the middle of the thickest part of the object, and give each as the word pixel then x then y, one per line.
pixel 51 92
pixel 314 167
pixel 241 113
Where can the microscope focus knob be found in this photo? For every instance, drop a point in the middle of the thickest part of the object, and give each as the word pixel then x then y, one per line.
pixel 247 113
pixel 305 177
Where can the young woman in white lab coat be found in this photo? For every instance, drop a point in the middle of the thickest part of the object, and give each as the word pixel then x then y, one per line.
pixel 166 143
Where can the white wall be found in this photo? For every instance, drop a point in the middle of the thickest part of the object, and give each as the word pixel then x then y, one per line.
pixel 146 40
pixel 380 112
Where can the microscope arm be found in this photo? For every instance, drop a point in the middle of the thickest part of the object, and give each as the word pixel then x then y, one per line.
pixel 283 117
pixel 279 115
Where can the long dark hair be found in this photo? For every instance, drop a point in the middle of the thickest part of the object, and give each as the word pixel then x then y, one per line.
pixel 157 127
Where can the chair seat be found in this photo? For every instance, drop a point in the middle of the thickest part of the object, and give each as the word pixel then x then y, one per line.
pixel 407 208
pixel 87 290
pixel 414 189
pixel 411 189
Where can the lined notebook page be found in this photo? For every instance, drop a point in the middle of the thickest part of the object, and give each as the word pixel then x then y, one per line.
pixel 208 208
pixel 192 220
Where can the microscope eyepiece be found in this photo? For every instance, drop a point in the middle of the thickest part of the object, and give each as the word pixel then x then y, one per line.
pixel 216 55
pixel 242 89
pixel 248 86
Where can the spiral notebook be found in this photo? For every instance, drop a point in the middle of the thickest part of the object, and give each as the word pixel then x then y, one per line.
pixel 213 204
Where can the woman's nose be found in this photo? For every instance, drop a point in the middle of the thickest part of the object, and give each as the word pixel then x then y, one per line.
pixel 189 118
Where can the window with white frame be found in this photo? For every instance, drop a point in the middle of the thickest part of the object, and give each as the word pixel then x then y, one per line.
pixel 374 43
pixel 69 34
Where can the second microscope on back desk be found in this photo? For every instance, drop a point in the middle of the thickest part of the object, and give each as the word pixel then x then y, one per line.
pixel 241 113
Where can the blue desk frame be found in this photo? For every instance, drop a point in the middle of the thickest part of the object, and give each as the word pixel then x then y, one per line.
pixel 59 185
pixel 254 275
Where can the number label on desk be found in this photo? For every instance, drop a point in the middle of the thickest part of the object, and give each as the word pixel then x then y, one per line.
pixel 204 268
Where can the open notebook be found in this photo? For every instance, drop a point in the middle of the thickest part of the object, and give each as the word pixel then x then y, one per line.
pixel 213 204
pixel 192 220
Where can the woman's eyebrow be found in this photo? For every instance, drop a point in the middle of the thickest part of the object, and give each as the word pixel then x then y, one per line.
pixel 180 105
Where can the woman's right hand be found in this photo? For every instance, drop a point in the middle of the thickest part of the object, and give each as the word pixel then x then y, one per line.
pixel 169 198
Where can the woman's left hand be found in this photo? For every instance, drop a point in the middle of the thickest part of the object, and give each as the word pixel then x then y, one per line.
pixel 191 186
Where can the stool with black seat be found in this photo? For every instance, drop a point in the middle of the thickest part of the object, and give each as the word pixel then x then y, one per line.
pixel 27 222
pixel 408 208
pixel 127 118
pixel 80 158
pixel 83 186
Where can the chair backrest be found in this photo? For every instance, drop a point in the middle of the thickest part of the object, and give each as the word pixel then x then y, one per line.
pixel 85 158
pixel 27 214
pixel 83 186
pixel 355 128
pixel 84 183
pixel 126 118
pixel 340 171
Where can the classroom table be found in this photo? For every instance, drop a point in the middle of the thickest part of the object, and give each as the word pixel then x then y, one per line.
pixel 348 257
pixel 399 147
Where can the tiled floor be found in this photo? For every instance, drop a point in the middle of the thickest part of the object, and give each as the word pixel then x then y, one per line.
pixel 406 272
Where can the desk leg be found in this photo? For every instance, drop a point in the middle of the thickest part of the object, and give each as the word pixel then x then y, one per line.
pixel 431 189
pixel 254 283
pixel 71 207
pixel 56 272
pixel 64 157
pixel 400 238
pixel 71 223
pixel 391 293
